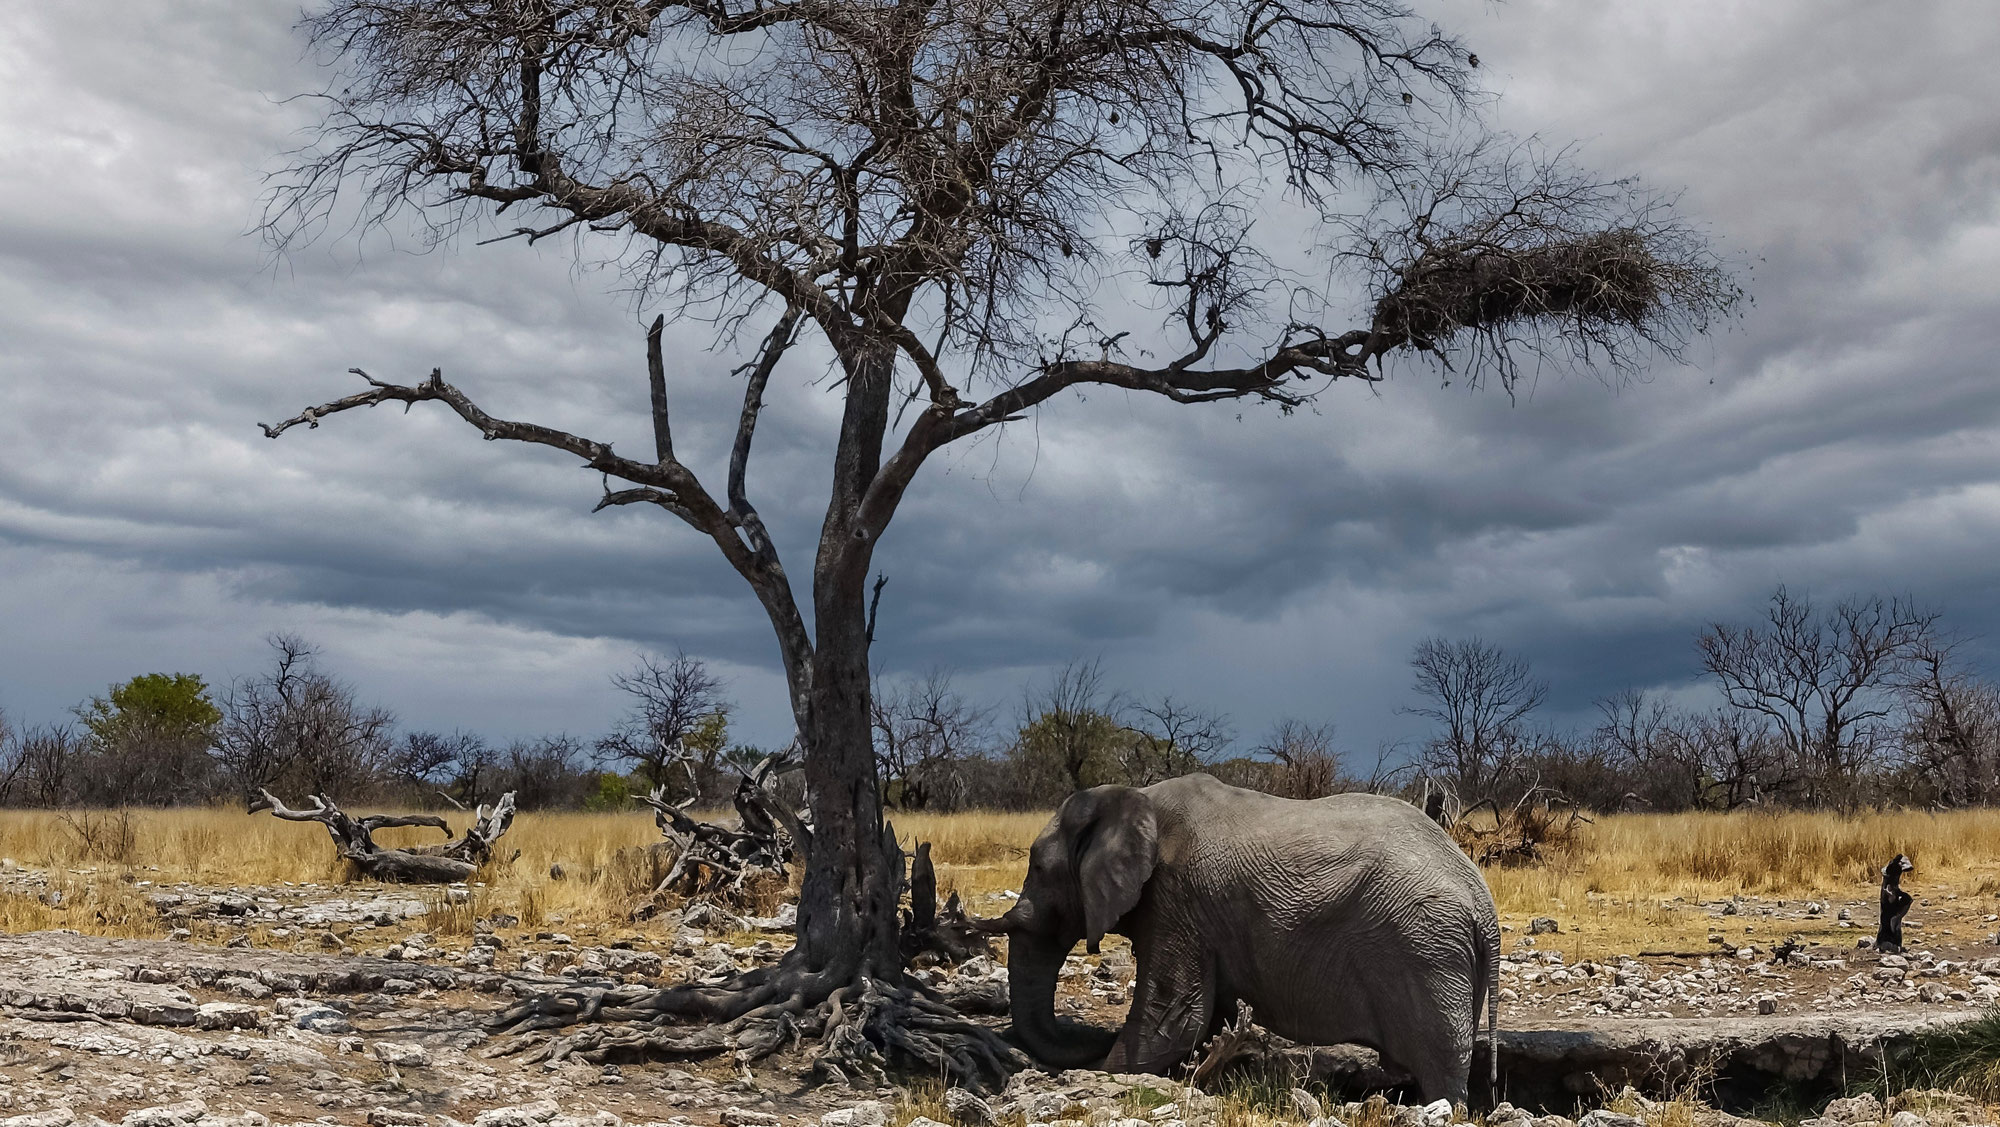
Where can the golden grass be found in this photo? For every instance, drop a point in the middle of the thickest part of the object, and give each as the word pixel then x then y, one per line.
pixel 602 856
pixel 1613 889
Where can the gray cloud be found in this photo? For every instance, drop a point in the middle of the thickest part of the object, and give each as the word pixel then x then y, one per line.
pixel 1844 437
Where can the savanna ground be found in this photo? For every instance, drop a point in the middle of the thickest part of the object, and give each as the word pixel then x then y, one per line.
pixel 1656 916
pixel 1612 887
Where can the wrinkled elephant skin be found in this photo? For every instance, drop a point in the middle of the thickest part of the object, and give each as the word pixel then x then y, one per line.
pixel 1350 919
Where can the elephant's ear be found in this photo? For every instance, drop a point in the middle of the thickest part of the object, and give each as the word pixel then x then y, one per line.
pixel 1114 844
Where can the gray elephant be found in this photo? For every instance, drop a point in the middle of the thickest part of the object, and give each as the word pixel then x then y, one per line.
pixel 1350 919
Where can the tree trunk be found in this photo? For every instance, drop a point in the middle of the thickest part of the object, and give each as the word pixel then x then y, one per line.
pixel 847 911
pixel 844 981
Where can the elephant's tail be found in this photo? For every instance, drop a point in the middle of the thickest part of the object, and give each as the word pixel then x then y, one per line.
pixel 1493 1016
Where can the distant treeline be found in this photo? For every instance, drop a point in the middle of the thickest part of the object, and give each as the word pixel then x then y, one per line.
pixel 1867 702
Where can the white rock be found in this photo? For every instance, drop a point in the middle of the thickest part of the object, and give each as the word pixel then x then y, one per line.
pixel 229 1015
pixel 1864 1108
pixel 166 1115
pixel 526 1115
pixel 53 1117
pixel 867 1113
pixel 1436 1113
pixel 968 1110
pixel 402 1054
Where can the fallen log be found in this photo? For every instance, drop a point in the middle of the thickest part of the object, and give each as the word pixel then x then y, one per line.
pixel 354 839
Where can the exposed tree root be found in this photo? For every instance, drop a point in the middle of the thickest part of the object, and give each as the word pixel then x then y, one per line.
pixel 862 1019
pixel 860 1026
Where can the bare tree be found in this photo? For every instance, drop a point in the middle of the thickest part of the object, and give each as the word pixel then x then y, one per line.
pixel 423 762
pixel 947 192
pixel 1479 696
pixel 924 730
pixel 1170 738
pixel 13 761
pixel 1309 766
pixel 300 728
pixel 1951 725
pixel 1823 679
pixel 545 771
pixel 670 702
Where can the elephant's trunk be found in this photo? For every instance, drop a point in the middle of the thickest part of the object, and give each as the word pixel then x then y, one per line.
pixel 1033 962
pixel 1014 919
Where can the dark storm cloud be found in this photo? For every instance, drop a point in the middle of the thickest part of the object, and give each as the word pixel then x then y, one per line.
pixel 1844 437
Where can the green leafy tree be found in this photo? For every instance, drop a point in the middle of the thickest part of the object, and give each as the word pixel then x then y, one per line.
pixel 151 737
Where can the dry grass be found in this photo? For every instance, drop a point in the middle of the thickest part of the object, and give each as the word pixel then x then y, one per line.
pixel 603 857
pixel 1607 888
pixel 1617 884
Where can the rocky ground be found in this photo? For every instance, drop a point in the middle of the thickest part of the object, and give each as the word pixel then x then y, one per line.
pixel 352 1004
pixel 1796 957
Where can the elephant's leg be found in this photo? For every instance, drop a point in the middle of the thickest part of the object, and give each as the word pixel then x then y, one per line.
pixel 1430 1035
pixel 1172 1007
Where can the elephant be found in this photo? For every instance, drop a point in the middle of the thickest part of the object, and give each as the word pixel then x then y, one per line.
pixel 1348 919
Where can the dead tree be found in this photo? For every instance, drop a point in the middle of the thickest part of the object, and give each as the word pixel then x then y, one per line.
pixel 717 860
pixel 932 935
pixel 443 863
pixel 938 193
pixel 1895 905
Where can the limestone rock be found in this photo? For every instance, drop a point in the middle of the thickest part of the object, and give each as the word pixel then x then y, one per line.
pixel 402 1054
pixel 230 1015
pixel 181 1114
pixel 868 1113
pixel 526 1115
pixel 1864 1108
pixel 968 1110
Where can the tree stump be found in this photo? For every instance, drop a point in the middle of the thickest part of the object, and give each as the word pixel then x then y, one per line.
pixel 1895 905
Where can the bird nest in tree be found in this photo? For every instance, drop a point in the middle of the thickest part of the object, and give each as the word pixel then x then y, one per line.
pixel 1608 279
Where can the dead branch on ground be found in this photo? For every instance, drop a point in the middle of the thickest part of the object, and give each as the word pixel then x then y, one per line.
pixel 354 839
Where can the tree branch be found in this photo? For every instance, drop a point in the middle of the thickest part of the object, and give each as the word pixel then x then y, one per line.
pixel 656 380
pixel 740 508
pixel 1335 357
pixel 668 484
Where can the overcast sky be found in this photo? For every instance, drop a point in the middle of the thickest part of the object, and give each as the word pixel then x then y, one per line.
pixel 1845 437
